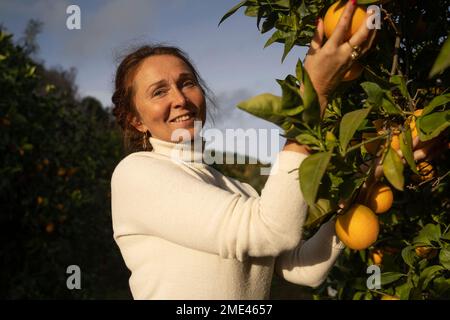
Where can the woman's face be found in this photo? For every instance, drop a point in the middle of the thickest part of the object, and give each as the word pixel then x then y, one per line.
pixel 165 89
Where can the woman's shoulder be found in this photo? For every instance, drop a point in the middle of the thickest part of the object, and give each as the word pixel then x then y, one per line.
pixel 142 161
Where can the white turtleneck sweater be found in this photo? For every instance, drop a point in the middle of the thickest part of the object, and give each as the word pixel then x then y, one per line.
pixel 186 231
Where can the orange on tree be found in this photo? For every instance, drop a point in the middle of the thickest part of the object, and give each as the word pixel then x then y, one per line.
pixel 389 297
pixel 333 14
pixel 377 256
pixel 358 228
pixel 412 124
pixel 373 146
pixel 425 252
pixel 426 172
pixel 380 198
pixel 50 227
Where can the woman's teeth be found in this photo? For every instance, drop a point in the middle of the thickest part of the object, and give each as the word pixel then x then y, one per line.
pixel 183 118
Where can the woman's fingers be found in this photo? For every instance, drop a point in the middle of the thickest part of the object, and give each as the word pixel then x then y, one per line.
pixel 340 33
pixel 364 37
pixel 317 40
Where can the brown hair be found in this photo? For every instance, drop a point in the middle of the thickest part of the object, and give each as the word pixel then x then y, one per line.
pixel 123 98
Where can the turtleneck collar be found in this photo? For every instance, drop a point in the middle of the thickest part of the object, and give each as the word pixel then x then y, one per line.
pixel 188 151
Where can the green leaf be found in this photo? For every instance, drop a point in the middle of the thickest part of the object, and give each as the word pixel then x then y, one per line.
pixel 233 10
pixel 265 106
pixel 311 114
pixel 291 101
pixel 403 290
pixel 311 172
pixel 349 124
pixel 427 275
pixel 389 277
pixel 409 256
pixel 406 146
pixel 444 257
pixel 446 236
pixel 430 233
pixel 393 169
pixel 431 125
pixel 289 44
pixel 318 211
pixel 307 139
pixel 389 105
pixel 374 93
pixel 400 83
pixel 349 186
pixel 436 102
pixel 442 62
pixel 276 37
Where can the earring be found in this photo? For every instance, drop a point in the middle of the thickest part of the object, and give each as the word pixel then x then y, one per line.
pixel 144 141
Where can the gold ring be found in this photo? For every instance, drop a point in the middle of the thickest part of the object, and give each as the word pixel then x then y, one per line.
pixel 356 51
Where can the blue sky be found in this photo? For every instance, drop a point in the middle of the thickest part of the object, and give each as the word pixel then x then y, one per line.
pixel 230 58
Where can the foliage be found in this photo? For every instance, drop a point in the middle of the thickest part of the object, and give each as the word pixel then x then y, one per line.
pixel 58 154
pixel 395 83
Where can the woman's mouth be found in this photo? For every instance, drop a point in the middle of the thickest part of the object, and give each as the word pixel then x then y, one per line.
pixel 186 119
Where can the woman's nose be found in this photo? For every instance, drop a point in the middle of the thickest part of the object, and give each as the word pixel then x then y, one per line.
pixel 179 99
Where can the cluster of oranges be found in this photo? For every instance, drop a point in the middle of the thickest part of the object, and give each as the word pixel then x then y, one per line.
pixel 358 228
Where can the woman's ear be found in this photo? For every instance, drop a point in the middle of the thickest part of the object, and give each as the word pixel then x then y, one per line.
pixel 137 124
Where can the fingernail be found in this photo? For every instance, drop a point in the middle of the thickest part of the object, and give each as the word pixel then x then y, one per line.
pixel 353 2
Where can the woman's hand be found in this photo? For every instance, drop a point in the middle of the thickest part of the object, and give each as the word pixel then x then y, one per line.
pixel 327 63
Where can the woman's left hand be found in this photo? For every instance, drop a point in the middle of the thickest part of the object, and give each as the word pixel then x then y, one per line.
pixel 327 63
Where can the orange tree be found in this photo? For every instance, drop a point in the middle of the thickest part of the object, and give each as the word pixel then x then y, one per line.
pixel 57 156
pixel 401 94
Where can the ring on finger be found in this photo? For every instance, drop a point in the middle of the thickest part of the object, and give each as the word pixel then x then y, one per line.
pixel 356 51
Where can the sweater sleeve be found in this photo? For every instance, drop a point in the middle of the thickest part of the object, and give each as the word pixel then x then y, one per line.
pixel 309 263
pixel 156 198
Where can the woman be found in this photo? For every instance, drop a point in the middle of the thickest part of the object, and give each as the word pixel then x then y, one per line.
pixel 188 232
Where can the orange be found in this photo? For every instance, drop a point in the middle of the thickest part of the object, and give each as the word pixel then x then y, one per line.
pixel 426 172
pixel 389 297
pixel 380 198
pixel 426 252
pixel 380 126
pixel 377 257
pixel 333 14
pixel 371 147
pixel 50 227
pixel 354 72
pixel 412 124
pixel 358 228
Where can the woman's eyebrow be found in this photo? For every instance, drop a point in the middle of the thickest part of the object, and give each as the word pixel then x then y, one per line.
pixel 155 84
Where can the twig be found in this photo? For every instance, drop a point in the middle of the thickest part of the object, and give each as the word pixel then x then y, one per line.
pixel 396 45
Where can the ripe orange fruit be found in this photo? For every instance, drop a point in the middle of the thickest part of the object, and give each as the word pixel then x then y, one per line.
pixel 371 147
pixel 426 252
pixel 389 297
pixel 377 257
pixel 354 72
pixel 333 14
pixel 358 228
pixel 50 227
pixel 380 126
pixel 412 124
pixel 380 198
pixel 426 172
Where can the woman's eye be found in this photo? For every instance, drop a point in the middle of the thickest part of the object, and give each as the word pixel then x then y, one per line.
pixel 158 92
pixel 189 83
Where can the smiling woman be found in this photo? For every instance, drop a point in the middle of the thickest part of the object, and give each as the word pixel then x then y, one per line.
pixel 147 80
pixel 185 230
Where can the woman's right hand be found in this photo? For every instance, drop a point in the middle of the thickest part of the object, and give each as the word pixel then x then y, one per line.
pixel 327 63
